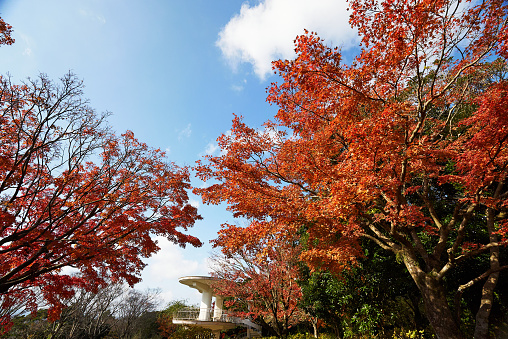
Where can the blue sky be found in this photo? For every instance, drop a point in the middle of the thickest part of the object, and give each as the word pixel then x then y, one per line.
pixel 173 72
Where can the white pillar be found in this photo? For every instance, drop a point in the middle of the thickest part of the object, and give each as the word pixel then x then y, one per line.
pixel 206 303
pixel 217 313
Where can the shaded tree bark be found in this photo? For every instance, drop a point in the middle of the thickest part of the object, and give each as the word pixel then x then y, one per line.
pixel 482 316
pixel 433 293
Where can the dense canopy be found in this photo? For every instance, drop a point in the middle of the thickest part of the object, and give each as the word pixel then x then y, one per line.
pixel 406 146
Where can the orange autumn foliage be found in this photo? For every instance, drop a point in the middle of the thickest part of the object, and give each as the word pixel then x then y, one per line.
pixel 405 144
pixel 259 282
pixel 5 33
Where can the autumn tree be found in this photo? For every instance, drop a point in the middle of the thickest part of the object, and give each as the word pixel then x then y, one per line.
pixel 259 281
pixel 5 33
pixel 405 146
pixel 75 195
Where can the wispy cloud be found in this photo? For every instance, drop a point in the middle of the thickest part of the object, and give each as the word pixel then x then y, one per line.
pixel 169 263
pixel 27 51
pixel 194 203
pixel 93 16
pixel 166 267
pixel 239 87
pixel 265 32
pixel 185 133
pixel 211 148
pixel 28 43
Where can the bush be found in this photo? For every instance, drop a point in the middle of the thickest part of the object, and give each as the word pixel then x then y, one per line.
pixel 397 334
pixel 306 336
pixel 412 334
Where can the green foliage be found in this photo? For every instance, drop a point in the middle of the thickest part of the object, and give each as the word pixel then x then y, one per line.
pixel 191 332
pixel 175 306
pixel 305 336
pixel 365 321
pixel 373 297
pixel 396 334
pixel 147 327
pixel 30 326
pixel 411 334
pixel 166 328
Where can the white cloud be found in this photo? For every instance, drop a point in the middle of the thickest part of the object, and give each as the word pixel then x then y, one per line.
pixel 68 270
pixel 27 51
pixel 28 43
pixel 93 16
pixel 185 133
pixel 211 148
pixel 168 264
pixel 194 203
pixel 265 32
pixel 237 88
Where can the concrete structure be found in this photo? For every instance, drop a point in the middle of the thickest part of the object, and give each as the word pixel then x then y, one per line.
pixel 211 315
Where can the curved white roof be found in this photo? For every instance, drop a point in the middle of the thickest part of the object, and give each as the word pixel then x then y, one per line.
pixel 201 283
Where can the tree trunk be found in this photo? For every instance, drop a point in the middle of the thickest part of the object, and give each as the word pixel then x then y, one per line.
pixel 314 322
pixel 481 330
pixel 338 331
pixel 434 299
pixel 420 320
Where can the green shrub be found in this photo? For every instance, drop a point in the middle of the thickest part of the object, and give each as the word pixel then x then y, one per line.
pixel 411 334
pixel 306 336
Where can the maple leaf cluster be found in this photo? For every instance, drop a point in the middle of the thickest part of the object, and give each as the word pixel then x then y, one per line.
pixel 5 33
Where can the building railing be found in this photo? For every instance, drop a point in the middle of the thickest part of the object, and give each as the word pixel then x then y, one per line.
pixel 193 313
pixel 187 313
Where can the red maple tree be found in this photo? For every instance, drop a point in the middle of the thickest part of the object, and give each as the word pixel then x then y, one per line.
pixel 5 33
pixel 259 279
pixel 406 146
pixel 73 194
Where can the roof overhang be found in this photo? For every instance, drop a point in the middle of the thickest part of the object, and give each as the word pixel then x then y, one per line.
pixel 202 284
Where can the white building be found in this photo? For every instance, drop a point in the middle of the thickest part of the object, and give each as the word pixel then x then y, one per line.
pixel 211 315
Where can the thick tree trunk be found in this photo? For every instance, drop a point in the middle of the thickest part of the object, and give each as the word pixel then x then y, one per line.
pixel 437 310
pixel 434 298
pixel 481 330
pixel 482 316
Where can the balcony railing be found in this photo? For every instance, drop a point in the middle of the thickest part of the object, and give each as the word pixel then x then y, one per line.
pixel 192 313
